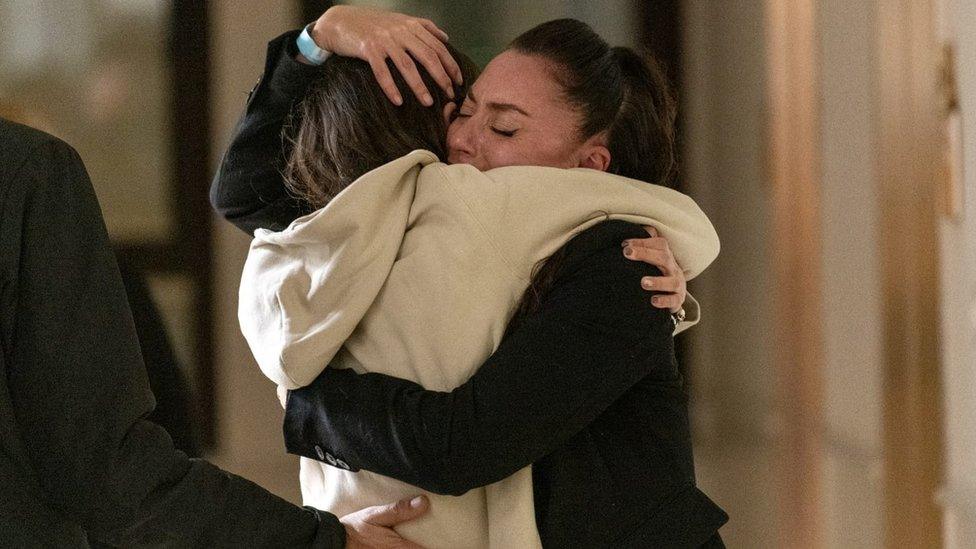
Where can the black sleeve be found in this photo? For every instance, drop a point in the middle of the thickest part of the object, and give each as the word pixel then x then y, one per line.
pixel 166 375
pixel 248 189
pixel 79 391
pixel 594 337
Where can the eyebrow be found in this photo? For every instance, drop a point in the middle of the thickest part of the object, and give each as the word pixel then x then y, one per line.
pixel 499 106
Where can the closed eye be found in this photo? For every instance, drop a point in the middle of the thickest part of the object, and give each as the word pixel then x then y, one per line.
pixel 503 132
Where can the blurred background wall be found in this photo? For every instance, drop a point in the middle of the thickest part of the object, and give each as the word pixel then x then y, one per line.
pixel 738 409
pixel 958 311
pixel 719 57
pixel 249 416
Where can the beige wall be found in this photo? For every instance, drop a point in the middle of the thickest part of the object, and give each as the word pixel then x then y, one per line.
pixel 248 414
pixel 731 368
pixel 733 372
pixel 958 252
pixel 853 361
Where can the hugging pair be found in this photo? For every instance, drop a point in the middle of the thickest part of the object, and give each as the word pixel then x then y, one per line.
pixel 473 329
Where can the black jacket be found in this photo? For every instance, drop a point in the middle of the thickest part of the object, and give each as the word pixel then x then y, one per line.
pixel 78 463
pixel 586 390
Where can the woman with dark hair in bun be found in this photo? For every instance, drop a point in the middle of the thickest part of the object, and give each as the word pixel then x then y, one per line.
pixel 584 386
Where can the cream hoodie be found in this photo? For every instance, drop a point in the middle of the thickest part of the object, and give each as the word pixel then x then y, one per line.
pixel 414 271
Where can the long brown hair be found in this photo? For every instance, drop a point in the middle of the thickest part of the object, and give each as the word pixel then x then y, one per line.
pixel 345 126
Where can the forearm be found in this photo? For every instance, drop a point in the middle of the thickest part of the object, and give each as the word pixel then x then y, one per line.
pixel 248 188
pixel 167 498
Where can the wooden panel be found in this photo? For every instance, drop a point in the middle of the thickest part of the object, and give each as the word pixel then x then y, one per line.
pixel 793 168
pixel 908 167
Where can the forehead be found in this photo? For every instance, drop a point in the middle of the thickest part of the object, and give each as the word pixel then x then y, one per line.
pixel 524 80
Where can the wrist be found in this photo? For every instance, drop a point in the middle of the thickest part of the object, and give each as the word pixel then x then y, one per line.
pixel 322 30
pixel 310 50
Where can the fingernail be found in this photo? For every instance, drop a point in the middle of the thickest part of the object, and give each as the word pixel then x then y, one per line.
pixel 647 282
pixel 625 243
pixel 428 100
pixel 656 300
pixel 398 100
pixel 628 251
pixel 417 502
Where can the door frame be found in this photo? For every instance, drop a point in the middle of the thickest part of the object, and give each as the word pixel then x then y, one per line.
pixel 910 157
pixel 793 166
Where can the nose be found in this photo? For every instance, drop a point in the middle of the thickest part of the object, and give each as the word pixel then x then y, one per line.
pixel 461 141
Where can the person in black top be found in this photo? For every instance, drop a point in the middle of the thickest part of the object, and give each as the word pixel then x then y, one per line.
pixel 584 386
pixel 79 463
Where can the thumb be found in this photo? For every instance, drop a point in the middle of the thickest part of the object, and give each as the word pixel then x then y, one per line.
pixel 394 513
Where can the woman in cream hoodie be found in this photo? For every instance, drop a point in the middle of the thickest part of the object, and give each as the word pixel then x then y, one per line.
pixel 422 263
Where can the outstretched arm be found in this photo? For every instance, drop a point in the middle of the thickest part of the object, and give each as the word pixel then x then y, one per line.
pixel 593 338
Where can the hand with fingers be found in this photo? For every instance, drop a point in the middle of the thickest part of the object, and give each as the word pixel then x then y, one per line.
pixel 375 35
pixel 372 527
pixel 654 250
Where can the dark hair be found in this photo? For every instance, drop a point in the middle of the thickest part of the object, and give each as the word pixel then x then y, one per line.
pixel 618 91
pixel 345 126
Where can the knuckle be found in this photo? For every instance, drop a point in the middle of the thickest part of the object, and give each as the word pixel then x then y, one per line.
pixel 429 58
pixel 374 50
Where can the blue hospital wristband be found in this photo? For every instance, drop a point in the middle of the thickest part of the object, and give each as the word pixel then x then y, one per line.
pixel 308 48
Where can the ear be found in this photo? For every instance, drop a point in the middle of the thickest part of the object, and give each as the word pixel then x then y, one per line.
pixel 595 156
pixel 594 153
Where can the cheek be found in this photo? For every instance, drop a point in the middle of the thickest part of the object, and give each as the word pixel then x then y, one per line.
pixel 506 152
pixel 453 126
pixel 538 150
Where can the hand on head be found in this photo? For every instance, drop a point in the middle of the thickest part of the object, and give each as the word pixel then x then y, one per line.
pixel 375 35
